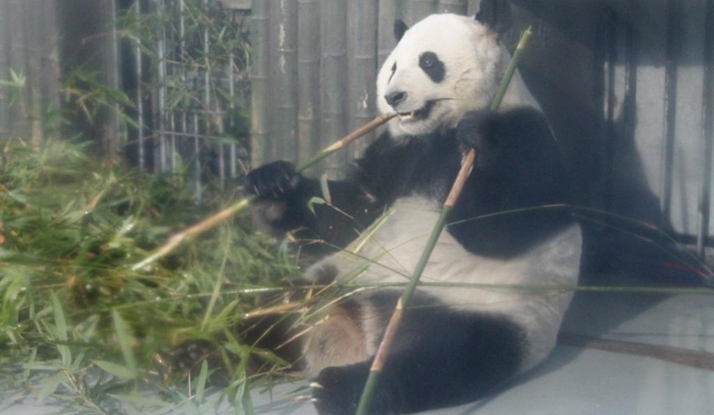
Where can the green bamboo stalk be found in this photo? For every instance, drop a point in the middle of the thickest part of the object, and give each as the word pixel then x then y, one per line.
pixel 308 72
pixel 219 217
pixel 380 357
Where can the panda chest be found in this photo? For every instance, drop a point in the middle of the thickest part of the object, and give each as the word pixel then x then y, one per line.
pixel 390 249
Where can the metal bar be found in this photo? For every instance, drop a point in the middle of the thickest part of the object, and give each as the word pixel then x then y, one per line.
pixel 17 54
pixel 4 70
pixel 704 211
pixel 670 108
pixel 260 82
pixel 120 137
pixel 334 65
pixel 232 164
pixel 452 6
pixel 608 49
pixel 197 159
pixel 162 92
pixel 140 97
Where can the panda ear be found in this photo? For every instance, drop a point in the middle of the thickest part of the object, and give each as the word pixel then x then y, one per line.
pixel 495 14
pixel 399 29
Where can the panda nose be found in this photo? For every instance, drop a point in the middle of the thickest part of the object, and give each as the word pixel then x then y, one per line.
pixel 395 98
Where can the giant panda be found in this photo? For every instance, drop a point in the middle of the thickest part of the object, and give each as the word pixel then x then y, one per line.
pixel 455 344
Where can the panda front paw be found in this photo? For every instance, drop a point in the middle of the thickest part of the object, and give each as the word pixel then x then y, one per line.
pixel 480 131
pixel 277 180
pixel 337 391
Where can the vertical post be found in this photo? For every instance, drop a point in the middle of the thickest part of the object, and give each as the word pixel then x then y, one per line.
pixel 388 13
pixel 17 54
pixel 161 102
pixel 140 96
pixel 232 164
pixel 308 67
pixel 207 105
pixel 420 9
pixel 452 6
pixel 472 7
pixel 334 65
pixel 705 195
pixel 362 19
pixel 181 58
pixel 50 63
pixel 286 74
pixel 196 158
pixel 670 107
pixel 4 70
pixel 260 97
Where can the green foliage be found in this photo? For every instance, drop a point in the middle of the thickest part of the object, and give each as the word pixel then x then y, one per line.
pixel 76 324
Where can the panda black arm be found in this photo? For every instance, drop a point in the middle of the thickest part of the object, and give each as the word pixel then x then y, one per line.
pixel 284 196
pixel 518 176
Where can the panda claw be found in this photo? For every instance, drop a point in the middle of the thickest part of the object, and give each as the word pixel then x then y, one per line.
pixel 316 385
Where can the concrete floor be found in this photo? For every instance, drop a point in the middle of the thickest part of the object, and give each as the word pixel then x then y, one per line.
pixel 583 381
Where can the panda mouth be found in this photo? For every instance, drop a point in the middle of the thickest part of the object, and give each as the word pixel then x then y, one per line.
pixel 418 114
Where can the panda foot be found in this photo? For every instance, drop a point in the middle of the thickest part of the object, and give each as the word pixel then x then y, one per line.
pixel 337 390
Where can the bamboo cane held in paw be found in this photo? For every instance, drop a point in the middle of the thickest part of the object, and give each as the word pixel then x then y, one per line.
pixel 212 221
pixel 390 333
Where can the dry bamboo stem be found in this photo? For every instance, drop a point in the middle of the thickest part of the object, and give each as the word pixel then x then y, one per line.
pixel 380 357
pixel 219 217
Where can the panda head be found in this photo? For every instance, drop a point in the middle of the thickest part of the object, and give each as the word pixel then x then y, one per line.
pixel 442 67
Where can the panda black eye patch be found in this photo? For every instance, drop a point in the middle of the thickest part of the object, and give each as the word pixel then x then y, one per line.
pixel 434 68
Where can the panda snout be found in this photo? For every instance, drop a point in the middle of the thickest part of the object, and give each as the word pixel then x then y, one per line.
pixel 395 98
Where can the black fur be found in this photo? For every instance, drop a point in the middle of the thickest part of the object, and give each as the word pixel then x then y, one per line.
pixel 399 29
pixel 433 67
pixel 495 14
pixel 518 168
pixel 463 357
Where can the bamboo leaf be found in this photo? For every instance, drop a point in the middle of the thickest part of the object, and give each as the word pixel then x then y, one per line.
pixel 116 369
pixel 123 332
pixel 325 188
pixel 315 201
pixel 49 386
pixel 61 330
pixel 202 377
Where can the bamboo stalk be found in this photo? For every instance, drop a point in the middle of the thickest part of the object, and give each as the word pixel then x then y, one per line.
pixel 308 72
pixel 385 32
pixel 260 83
pixel 219 217
pixel 362 47
pixel 334 78
pixel 286 78
pixel 380 357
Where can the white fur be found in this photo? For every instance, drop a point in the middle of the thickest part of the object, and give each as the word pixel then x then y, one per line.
pixel 475 63
pixel 390 254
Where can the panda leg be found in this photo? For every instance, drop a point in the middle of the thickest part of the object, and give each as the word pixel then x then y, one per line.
pixel 439 358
